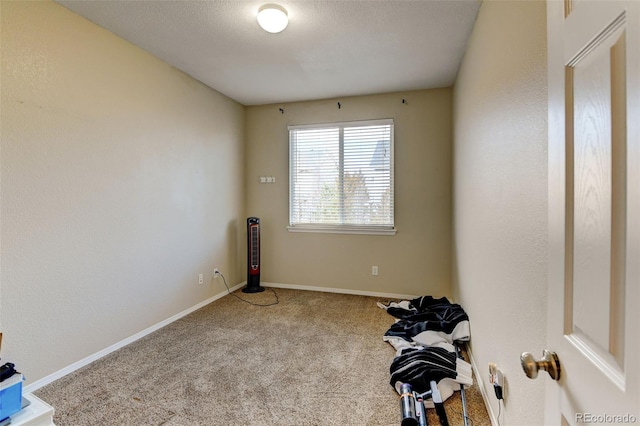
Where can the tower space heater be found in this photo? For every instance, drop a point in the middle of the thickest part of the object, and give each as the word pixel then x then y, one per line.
pixel 253 256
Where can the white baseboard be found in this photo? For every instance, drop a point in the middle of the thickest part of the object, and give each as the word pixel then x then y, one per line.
pixel 32 387
pixel 91 358
pixel 340 290
pixel 479 378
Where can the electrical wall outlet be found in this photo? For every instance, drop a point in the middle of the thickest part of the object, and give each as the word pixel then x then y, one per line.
pixel 496 378
pixel 201 279
pixel 374 270
pixel 492 370
pixel 216 273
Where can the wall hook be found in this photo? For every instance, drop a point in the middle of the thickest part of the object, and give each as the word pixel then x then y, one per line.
pixel 281 110
pixel 339 106
pixel 404 101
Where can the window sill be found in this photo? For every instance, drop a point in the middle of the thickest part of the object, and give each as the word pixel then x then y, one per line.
pixel 358 230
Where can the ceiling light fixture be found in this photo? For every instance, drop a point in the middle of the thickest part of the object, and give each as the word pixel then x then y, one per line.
pixel 272 18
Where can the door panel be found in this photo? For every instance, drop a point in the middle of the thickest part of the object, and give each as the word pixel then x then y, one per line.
pixel 596 312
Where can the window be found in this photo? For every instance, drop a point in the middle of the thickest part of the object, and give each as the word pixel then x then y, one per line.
pixel 341 177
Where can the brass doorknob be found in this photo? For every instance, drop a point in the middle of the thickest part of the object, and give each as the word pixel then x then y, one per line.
pixel 549 363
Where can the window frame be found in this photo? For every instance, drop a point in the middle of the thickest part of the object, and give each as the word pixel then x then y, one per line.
pixel 387 229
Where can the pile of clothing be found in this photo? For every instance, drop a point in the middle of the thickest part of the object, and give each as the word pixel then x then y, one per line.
pixel 424 336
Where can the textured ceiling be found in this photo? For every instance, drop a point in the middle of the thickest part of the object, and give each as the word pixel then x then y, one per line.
pixel 331 48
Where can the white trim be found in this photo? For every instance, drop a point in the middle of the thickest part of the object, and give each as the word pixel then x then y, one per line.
pixel 483 392
pixel 91 358
pixel 605 362
pixel 340 290
pixel 359 230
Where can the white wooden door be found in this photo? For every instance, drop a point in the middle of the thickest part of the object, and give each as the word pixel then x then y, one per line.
pixel 594 211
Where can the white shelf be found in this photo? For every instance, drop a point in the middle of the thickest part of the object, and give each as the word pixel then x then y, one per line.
pixel 38 413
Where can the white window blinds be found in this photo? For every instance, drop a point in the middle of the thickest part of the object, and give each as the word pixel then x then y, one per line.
pixel 341 176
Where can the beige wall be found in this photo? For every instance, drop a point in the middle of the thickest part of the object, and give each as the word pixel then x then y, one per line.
pixel 122 180
pixel 500 201
pixel 416 261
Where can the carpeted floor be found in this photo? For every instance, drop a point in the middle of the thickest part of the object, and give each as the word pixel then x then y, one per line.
pixel 312 359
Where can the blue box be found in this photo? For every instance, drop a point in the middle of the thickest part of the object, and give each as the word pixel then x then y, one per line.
pixel 11 395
